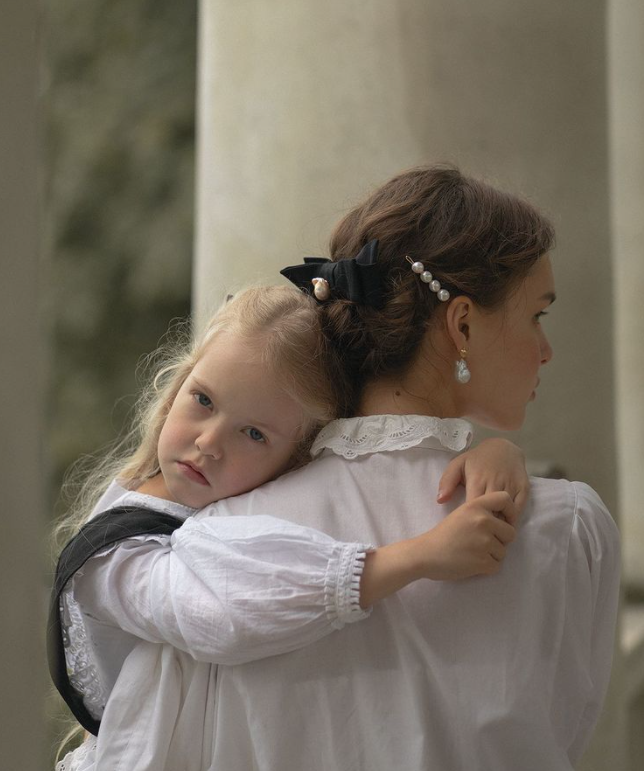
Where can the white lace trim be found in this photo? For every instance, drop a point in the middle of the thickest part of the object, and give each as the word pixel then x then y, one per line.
pixel 79 759
pixel 81 666
pixel 351 437
pixel 342 596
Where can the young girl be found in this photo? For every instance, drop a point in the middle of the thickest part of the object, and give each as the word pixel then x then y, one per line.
pixel 241 407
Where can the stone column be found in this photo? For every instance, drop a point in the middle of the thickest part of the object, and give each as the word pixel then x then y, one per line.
pixel 304 106
pixel 627 178
pixel 626 91
pixel 22 568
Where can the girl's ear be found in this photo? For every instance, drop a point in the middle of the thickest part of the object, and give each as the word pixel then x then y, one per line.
pixel 457 320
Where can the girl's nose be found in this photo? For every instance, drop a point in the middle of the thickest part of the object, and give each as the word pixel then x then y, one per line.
pixel 210 442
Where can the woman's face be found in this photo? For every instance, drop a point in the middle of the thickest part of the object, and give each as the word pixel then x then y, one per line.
pixel 505 352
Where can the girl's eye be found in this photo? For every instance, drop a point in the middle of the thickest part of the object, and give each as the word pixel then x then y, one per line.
pixel 538 316
pixel 255 434
pixel 203 400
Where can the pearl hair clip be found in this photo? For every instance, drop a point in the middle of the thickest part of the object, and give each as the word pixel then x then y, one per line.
pixel 321 288
pixel 427 278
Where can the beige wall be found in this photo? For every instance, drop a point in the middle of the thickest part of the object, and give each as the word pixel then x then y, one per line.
pixel 304 106
pixel 22 676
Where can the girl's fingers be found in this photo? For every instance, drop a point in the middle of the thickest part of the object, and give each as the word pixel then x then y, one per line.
pixel 500 503
pixel 474 489
pixel 451 479
pixel 504 532
pixel 497 550
pixel 521 498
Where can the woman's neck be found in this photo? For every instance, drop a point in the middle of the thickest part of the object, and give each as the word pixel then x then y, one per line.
pixel 404 397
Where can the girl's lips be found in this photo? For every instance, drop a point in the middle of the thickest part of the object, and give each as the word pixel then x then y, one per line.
pixel 192 473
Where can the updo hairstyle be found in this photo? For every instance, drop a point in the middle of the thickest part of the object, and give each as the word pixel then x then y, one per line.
pixel 476 240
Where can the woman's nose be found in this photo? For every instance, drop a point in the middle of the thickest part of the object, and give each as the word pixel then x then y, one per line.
pixel 546 350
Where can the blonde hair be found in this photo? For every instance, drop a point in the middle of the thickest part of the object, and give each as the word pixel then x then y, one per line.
pixel 283 322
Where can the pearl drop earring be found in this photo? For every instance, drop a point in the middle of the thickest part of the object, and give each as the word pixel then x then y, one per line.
pixel 461 370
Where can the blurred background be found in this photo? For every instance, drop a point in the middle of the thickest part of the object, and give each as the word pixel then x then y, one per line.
pixel 156 156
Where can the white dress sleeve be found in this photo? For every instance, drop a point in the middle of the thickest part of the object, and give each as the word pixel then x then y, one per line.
pixel 227 590
pixel 592 598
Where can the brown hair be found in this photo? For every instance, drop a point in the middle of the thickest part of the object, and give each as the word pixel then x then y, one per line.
pixel 476 240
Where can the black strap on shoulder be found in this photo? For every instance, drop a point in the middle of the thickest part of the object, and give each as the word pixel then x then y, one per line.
pixel 104 530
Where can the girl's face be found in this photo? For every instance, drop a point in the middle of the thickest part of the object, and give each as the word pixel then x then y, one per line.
pixel 230 429
pixel 505 351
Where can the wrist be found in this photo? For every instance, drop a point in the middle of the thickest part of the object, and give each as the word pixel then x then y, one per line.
pixel 389 569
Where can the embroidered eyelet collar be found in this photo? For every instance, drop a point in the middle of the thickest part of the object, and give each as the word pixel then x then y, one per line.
pixel 352 437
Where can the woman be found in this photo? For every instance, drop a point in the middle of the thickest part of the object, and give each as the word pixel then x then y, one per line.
pixel 504 673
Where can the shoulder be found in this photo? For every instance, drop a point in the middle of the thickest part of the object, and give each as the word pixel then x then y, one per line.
pixel 577 509
pixel 570 497
pixel 594 526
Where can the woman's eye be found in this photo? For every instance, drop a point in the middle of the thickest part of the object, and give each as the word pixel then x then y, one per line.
pixel 538 316
pixel 203 400
pixel 255 434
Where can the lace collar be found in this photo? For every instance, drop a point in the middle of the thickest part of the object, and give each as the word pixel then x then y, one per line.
pixel 351 437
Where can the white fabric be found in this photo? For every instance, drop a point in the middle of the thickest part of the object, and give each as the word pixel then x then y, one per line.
pixel 505 672
pixel 253 587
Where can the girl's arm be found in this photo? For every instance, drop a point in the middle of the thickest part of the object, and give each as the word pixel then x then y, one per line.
pixel 235 589
pixel 242 588
pixel 224 589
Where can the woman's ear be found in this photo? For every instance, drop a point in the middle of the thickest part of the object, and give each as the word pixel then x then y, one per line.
pixel 457 321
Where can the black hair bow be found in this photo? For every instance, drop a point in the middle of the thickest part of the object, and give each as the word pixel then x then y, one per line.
pixel 357 279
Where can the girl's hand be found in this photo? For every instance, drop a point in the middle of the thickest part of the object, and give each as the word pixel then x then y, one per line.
pixel 495 465
pixel 471 541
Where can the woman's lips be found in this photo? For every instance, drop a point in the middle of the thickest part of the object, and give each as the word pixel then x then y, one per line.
pixel 192 473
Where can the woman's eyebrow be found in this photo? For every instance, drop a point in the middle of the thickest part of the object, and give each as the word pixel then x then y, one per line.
pixel 549 296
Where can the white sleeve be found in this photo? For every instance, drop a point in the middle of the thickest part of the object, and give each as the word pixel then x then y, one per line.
pixel 592 589
pixel 227 590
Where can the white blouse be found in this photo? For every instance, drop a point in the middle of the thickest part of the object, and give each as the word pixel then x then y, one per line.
pixel 504 672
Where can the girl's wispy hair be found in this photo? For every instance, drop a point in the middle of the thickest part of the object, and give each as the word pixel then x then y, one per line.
pixel 282 325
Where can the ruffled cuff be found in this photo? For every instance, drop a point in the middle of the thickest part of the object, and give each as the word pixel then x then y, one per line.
pixel 342 585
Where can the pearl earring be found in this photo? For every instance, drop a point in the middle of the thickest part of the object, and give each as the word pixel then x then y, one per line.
pixel 461 370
